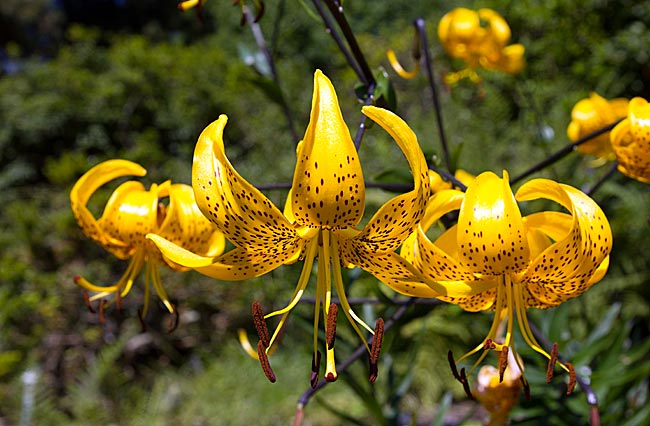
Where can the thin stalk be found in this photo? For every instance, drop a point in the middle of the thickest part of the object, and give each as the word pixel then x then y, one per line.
pixel 336 9
pixel 603 179
pixel 331 30
pixel 261 44
pixel 361 130
pixel 421 29
pixel 563 152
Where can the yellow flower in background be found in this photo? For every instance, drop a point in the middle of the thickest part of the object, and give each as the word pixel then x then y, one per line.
pixel 631 141
pixel 190 4
pixel 463 36
pixel 591 114
pixel 437 183
pixel 499 392
pixel 323 208
pixel 511 262
pixel 130 213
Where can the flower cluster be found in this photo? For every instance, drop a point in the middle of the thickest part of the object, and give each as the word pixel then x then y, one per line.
pixel 463 36
pixel 129 215
pixel 493 259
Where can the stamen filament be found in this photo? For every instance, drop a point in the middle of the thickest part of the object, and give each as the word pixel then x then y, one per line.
pixel 340 291
pixel 325 289
pixel 157 285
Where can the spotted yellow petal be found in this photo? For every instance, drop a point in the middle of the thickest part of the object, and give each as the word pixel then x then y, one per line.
pixel 567 266
pixel 86 186
pixel 492 236
pixel 185 225
pixel 390 268
pixel 245 216
pixel 397 218
pixel 328 189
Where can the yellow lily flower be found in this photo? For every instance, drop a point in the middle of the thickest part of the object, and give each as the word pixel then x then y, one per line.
pixel 499 392
pixel 512 262
pixel 463 37
pixel 591 114
pixel 131 213
pixel 631 141
pixel 190 4
pixel 324 205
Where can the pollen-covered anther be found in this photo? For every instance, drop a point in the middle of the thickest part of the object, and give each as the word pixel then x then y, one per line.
pixel 315 369
pixel 375 349
pixel 330 329
pixel 465 382
pixel 173 320
pixel 118 301
pixel 503 362
pixel 260 324
pixel 264 362
pixel 551 362
pixel 489 344
pixel 572 378
pixel 87 300
pixel 452 365
pixel 102 305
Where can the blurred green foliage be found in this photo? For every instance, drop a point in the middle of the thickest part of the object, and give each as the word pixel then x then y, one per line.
pixel 144 91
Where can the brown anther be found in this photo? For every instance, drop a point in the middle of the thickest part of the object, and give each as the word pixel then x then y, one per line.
pixel 330 326
pixel 526 386
pixel 331 377
pixel 174 320
pixel 572 378
pixel 143 325
pixel 264 362
pixel 551 363
pixel 260 324
pixel 118 301
pixel 373 371
pixel 88 304
pixel 260 12
pixel 375 349
pixel 465 382
pixel 102 305
pixel 489 344
pixel 315 369
pixel 503 362
pixel 452 364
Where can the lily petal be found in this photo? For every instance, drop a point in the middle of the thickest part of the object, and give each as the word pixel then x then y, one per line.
pixel 186 226
pixel 398 217
pixel 494 238
pixel 245 215
pixel 86 186
pixel 328 189
pixel 130 213
pixel 567 267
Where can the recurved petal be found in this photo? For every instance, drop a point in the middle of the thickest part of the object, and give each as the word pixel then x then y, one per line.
pixel 86 186
pixel 185 225
pixel 131 213
pixel 328 189
pixel 245 215
pixel 398 217
pixel 491 233
pixel 567 266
